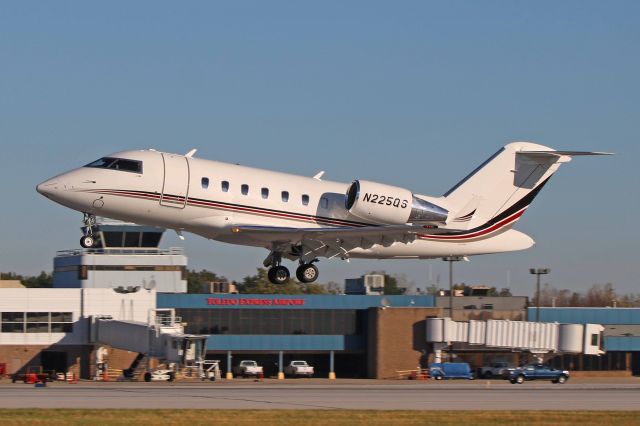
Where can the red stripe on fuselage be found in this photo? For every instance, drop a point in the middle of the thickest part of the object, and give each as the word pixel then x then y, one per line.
pixel 476 234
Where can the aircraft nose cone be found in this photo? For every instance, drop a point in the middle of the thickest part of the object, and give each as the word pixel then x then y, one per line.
pixel 46 188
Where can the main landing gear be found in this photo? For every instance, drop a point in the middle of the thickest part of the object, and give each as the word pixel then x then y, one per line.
pixel 305 273
pixel 88 240
pixel 278 274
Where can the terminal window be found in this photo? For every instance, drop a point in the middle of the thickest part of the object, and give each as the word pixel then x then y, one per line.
pixel 83 270
pixel 36 322
pixel 272 321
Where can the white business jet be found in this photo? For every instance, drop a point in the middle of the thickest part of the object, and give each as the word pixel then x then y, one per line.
pixel 304 218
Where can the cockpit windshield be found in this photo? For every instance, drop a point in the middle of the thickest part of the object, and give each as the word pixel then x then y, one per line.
pixel 122 164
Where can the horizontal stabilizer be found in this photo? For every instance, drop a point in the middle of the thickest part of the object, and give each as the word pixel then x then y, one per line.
pixel 505 184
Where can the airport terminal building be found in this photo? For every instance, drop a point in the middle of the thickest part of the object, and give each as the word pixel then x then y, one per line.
pixel 127 277
pixel 360 336
pixel 353 336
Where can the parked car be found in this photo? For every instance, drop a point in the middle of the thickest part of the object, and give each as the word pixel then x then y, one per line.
pixel 298 368
pixel 160 375
pixel 33 377
pixel 247 368
pixel 494 370
pixel 451 370
pixel 538 372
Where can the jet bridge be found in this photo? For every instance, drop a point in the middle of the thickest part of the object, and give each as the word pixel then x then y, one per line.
pixel 536 337
pixel 162 337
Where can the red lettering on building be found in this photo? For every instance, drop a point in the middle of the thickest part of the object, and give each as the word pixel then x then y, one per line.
pixel 219 301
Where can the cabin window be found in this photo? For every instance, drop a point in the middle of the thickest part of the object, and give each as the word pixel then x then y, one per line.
pixel 244 189
pixel 324 202
pixel 225 186
pixel 265 193
pixel 305 200
pixel 285 196
pixel 205 183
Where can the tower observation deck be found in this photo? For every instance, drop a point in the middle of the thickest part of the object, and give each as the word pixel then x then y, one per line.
pixel 127 257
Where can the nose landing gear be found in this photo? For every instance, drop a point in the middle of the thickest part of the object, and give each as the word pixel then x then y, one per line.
pixel 88 240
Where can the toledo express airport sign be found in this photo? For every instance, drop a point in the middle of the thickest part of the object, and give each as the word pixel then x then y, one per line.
pixel 219 301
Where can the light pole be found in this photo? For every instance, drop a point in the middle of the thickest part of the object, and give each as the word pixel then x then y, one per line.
pixel 537 272
pixel 451 259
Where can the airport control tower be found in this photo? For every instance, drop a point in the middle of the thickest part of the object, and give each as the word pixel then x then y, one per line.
pixel 126 257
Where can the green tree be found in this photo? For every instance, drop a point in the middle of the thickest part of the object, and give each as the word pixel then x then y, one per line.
pixel 44 280
pixel 505 292
pixel 314 288
pixel 260 284
pixel 391 286
pixel 196 280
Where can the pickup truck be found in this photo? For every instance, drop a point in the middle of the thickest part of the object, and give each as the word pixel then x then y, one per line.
pixel 538 372
pixel 494 370
pixel 247 368
pixel 298 368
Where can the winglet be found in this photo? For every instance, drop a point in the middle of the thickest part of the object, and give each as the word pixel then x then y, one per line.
pixel 319 175
pixel 191 153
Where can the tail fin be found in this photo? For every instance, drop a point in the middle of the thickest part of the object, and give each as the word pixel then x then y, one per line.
pixel 504 185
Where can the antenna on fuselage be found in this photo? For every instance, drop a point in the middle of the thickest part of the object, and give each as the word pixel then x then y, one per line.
pixel 191 153
pixel 319 175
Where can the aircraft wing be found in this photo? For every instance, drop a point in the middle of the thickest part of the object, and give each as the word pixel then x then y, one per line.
pixel 333 241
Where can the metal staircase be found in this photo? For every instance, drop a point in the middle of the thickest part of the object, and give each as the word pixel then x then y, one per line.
pixel 162 337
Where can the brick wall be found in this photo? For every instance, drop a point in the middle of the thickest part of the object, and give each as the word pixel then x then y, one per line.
pixel 396 340
pixel 22 358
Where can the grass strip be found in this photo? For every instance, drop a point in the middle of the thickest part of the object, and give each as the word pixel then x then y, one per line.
pixel 312 417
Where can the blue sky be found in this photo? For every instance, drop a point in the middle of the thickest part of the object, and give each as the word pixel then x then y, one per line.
pixel 414 94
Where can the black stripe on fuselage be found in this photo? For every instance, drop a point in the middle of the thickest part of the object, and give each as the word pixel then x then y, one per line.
pixel 519 205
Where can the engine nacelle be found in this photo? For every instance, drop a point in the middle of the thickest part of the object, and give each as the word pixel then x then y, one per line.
pixel 390 205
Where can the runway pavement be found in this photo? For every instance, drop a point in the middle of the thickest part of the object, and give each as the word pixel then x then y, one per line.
pixel 377 395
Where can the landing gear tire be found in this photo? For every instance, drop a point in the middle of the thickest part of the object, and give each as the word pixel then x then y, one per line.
pixel 278 275
pixel 307 273
pixel 87 241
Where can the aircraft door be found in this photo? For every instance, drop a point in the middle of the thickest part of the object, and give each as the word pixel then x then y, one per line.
pixel 175 188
